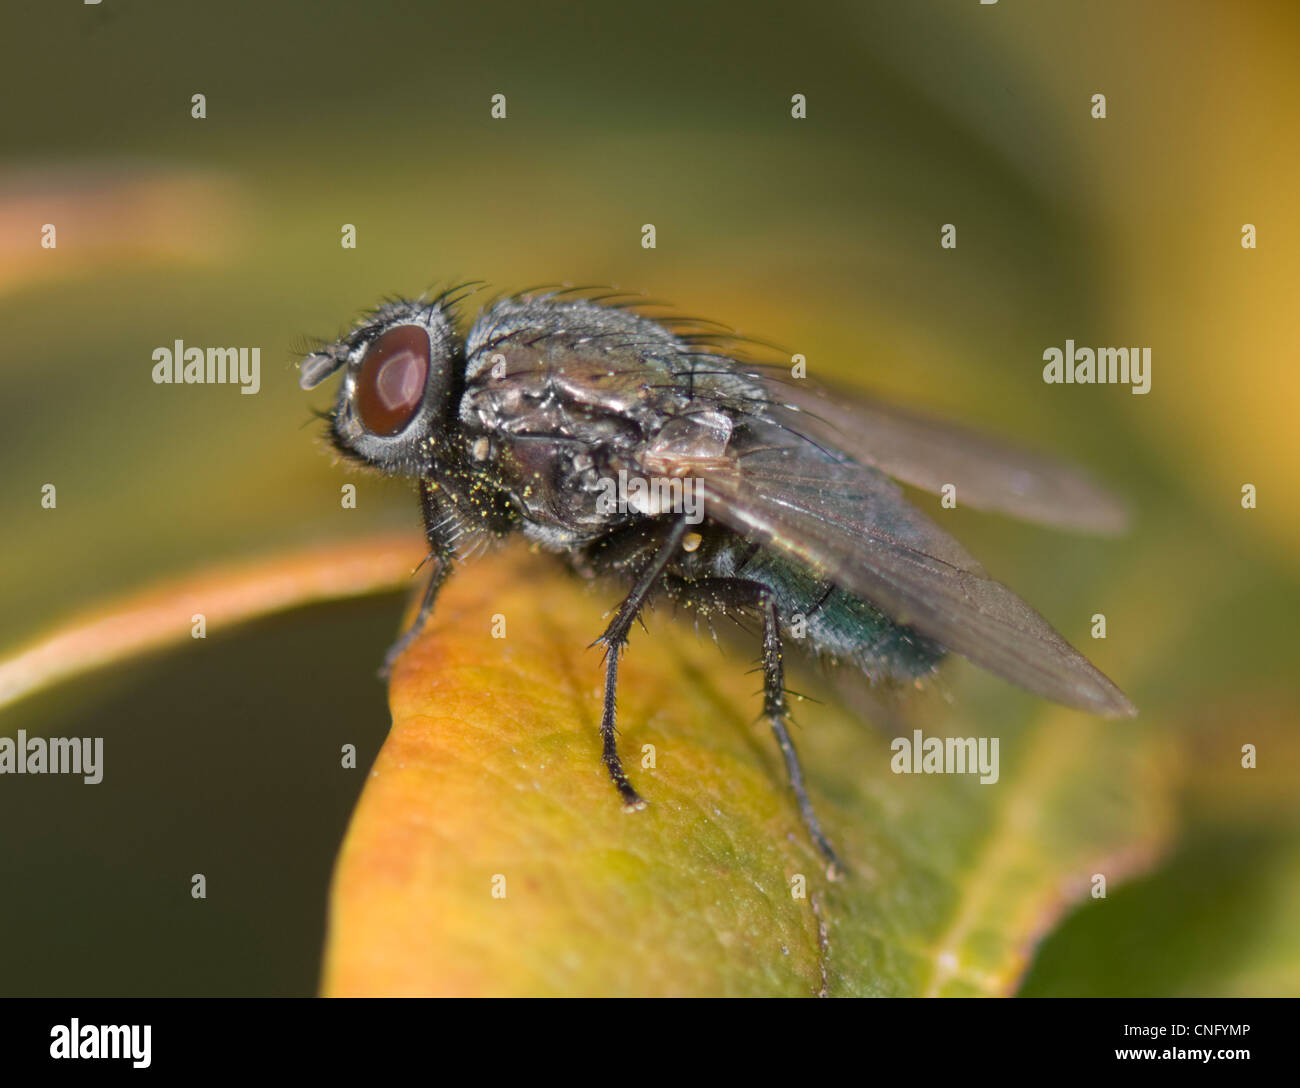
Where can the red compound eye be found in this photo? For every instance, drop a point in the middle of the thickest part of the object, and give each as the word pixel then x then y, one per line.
pixel 391 384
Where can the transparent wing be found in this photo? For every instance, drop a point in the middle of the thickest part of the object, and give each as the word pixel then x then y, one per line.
pixel 852 524
pixel 929 453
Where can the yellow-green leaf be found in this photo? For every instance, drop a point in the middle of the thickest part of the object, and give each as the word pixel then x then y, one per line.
pixel 489 854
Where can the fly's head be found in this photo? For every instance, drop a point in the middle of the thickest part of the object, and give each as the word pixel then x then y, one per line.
pixel 402 375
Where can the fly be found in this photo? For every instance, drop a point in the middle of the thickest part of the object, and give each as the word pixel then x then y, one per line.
pixel 649 451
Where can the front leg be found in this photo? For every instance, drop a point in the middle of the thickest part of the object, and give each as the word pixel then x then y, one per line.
pixel 441 556
pixel 441 568
pixel 615 638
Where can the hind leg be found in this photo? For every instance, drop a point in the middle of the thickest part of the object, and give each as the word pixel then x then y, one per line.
pixel 741 593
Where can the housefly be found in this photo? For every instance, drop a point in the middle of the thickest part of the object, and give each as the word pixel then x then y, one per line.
pixel 586 424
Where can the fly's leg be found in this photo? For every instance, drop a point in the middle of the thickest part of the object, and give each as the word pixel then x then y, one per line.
pixel 743 593
pixel 441 558
pixel 440 571
pixel 614 639
pixel 778 715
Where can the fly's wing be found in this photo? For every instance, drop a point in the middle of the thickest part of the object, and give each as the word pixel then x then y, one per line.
pixel 852 524
pixel 929 453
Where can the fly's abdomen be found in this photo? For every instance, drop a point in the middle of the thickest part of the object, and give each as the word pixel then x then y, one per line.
pixel 826 621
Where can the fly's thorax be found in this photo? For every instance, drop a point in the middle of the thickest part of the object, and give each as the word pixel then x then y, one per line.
pixel 556 431
pixel 544 391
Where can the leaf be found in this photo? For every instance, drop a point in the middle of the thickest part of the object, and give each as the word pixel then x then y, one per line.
pixel 491 780
pixel 160 615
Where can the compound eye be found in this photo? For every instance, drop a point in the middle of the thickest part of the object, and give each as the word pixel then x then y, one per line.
pixel 390 387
